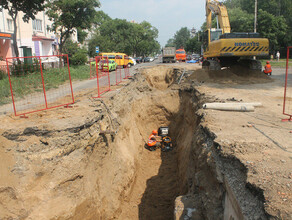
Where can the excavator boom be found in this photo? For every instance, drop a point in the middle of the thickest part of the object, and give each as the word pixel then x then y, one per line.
pixel 219 10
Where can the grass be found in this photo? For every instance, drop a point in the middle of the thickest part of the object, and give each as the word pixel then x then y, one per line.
pixel 275 63
pixel 32 82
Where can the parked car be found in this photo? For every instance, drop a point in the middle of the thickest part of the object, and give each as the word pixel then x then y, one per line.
pixel 151 59
pixel 189 57
pixel 138 59
pixel 195 56
pixel 133 63
pixel 109 65
pixel 146 59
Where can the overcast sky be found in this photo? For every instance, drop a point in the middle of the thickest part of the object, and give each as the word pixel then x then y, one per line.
pixel 168 16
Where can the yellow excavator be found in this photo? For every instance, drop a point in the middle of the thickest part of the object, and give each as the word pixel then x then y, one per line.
pixel 225 49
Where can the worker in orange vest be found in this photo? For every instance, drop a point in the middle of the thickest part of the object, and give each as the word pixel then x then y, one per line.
pixel 268 69
pixel 154 141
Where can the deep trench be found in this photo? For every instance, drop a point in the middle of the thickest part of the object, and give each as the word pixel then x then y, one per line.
pixel 171 181
pixel 193 181
pixel 112 176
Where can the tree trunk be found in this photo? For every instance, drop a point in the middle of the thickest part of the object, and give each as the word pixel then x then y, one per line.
pixel 15 47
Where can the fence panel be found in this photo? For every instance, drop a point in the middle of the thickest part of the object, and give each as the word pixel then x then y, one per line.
pixel 102 75
pixel 39 83
pixel 92 68
pixel 287 107
pixel 118 73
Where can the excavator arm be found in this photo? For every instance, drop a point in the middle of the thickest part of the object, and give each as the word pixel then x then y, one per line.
pixel 221 12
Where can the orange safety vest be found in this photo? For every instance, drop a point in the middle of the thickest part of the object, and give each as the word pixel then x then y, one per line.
pixel 152 140
pixel 268 68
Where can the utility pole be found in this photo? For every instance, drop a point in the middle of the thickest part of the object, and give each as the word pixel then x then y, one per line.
pixel 255 19
pixel 255 15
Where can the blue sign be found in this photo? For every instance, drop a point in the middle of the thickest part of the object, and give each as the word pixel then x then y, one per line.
pixel 97 49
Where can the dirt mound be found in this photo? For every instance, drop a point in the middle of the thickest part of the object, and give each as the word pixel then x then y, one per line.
pixel 160 77
pixel 234 75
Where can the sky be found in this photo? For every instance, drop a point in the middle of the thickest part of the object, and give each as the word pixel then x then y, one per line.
pixel 168 16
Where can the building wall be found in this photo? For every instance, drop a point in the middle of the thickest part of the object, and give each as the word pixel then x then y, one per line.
pixel 5 50
pixel 26 30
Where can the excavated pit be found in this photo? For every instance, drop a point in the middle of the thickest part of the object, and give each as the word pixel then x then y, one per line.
pixel 101 169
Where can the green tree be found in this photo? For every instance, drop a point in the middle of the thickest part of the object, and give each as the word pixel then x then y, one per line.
pixel 272 27
pixel 29 8
pixel 170 43
pixel 101 17
pixel 193 45
pixel 69 15
pixel 77 55
pixel 181 37
pixel 122 36
pixel 240 21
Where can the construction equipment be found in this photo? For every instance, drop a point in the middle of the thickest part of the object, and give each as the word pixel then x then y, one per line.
pixel 181 55
pixel 225 49
pixel 165 141
pixel 168 55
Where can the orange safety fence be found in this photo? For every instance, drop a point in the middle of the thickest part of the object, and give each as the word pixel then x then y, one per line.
pixel 287 106
pixel 39 83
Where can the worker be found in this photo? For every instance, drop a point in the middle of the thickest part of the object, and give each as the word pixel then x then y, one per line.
pixel 154 141
pixel 268 69
pixel 278 56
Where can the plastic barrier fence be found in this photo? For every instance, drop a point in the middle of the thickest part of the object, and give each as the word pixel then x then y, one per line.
pixel 39 83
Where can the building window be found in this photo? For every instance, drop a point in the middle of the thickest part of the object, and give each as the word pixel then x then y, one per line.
pixel 10 24
pixel 37 25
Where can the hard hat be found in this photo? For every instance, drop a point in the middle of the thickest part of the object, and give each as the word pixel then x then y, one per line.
pixel 154 132
pixel 268 62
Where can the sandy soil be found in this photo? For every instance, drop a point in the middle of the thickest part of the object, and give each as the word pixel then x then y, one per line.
pixel 89 162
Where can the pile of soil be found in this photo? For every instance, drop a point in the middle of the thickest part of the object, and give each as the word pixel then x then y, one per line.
pixel 234 75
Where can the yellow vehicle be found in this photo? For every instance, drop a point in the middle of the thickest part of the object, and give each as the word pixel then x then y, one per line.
pixel 121 59
pixel 224 49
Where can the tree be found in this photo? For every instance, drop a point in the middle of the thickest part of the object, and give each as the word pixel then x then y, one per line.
pixel 29 8
pixel 240 21
pixel 101 17
pixel 77 55
pixel 170 43
pixel 274 28
pixel 122 36
pixel 193 45
pixel 69 15
pixel 181 37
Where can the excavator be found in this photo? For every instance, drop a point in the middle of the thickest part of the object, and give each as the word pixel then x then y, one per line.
pixel 225 49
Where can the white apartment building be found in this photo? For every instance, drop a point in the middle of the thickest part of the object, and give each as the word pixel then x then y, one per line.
pixel 33 38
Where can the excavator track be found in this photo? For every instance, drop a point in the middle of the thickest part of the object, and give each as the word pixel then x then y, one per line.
pixel 211 65
pixel 251 64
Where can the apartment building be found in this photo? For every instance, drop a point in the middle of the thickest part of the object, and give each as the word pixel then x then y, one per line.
pixel 33 38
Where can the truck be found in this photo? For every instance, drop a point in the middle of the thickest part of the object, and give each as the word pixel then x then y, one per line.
pixel 181 55
pixel 168 55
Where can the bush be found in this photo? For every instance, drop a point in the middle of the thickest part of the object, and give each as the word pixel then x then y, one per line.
pixel 79 58
pixel 77 55
pixel 2 74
